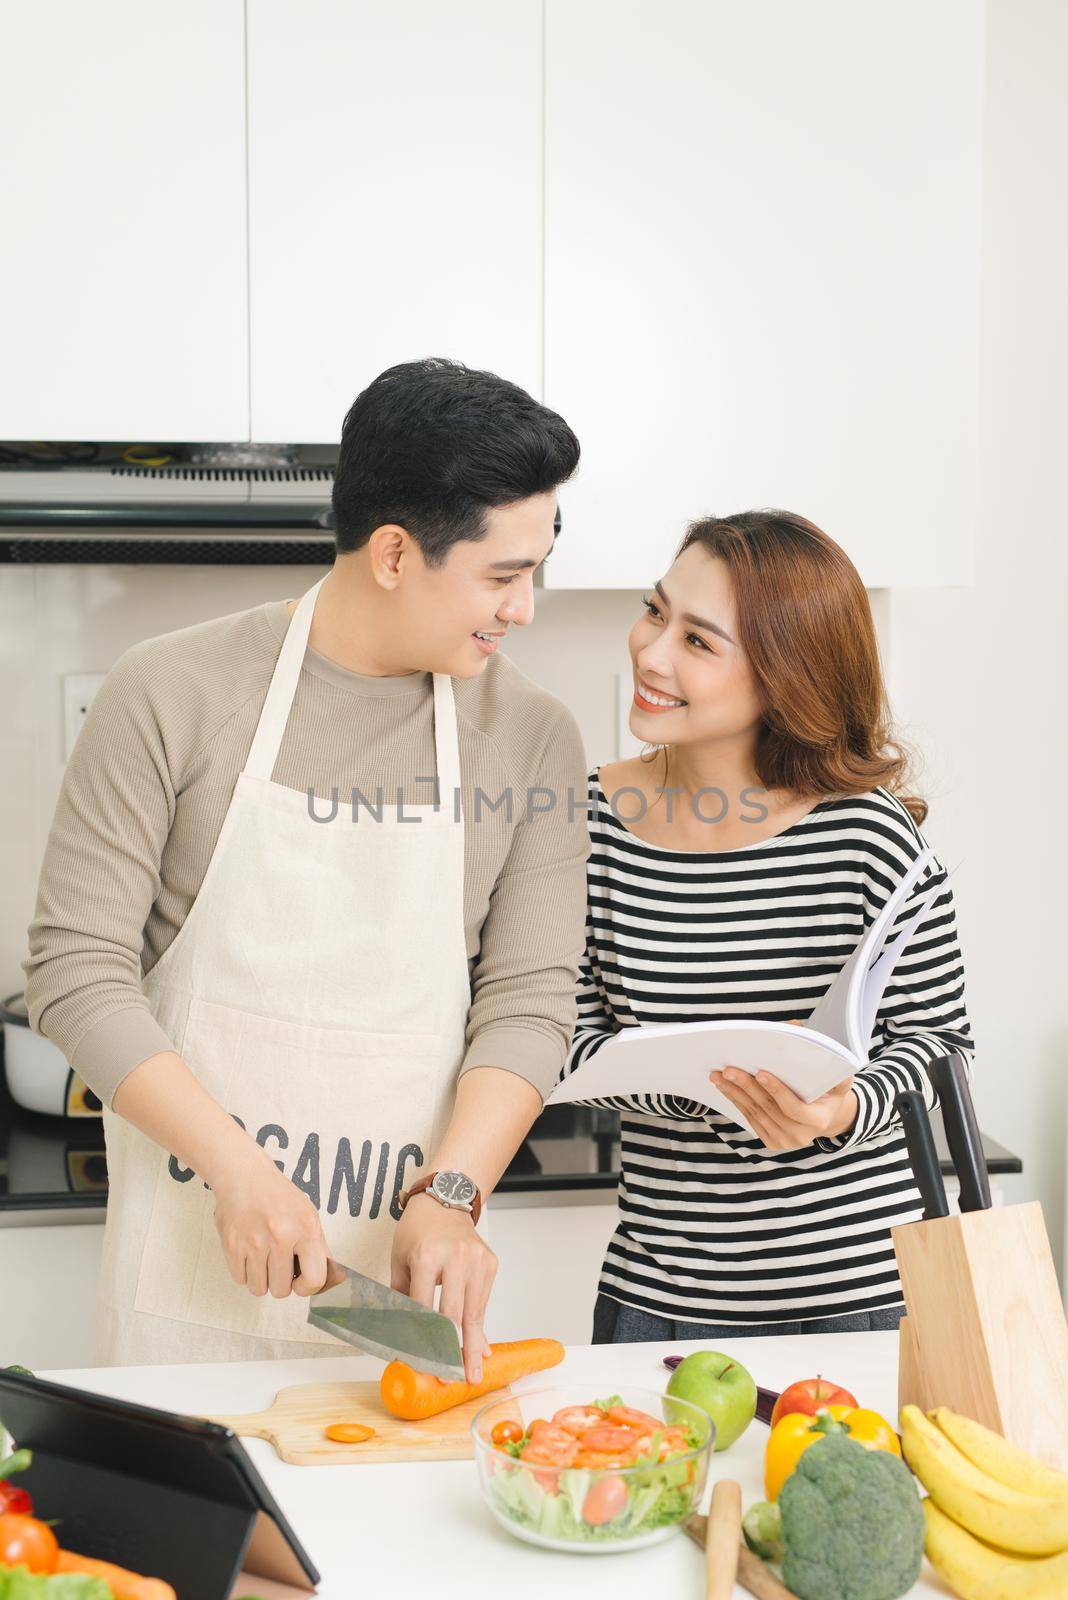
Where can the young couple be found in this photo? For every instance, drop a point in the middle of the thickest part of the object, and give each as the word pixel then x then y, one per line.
pixel 324 1043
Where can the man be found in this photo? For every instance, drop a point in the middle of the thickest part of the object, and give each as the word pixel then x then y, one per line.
pixel 337 838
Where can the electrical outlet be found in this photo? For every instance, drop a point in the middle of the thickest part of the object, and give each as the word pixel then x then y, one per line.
pixel 78 692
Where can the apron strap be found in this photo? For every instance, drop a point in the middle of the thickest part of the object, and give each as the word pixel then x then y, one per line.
pixel 283 688
pixel 446 742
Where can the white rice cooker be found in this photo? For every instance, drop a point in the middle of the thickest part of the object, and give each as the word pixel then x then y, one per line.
pixel 39 1077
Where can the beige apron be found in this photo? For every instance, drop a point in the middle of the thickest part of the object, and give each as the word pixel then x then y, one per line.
pixel 319 990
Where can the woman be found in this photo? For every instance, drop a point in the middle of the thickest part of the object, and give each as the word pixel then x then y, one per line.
pixel 734 869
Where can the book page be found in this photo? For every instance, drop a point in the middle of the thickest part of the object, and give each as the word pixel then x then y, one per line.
pixel 676 1058
pixel 839 1013
pixel 873 984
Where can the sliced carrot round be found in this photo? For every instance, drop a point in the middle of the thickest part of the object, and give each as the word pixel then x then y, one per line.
pixel 349 1432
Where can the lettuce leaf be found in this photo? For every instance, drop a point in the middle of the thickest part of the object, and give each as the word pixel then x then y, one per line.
pixel 658 1497
pixel 18 1583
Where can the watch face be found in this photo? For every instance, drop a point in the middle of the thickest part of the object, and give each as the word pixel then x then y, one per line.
pixel 454 1187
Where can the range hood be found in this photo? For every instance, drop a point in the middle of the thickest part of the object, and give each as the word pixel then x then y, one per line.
pixel 185 512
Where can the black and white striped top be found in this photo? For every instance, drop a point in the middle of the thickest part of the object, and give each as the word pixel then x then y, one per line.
pixel 714 1227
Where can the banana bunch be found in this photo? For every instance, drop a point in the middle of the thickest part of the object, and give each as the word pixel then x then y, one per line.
pixel 997 1519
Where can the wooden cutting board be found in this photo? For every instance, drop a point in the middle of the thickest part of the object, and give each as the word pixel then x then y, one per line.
pixel 295 1421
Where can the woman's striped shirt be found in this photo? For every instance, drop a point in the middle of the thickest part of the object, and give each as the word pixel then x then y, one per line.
pixel 714 1227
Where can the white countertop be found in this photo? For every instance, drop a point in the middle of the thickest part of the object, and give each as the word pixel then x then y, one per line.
pixel 422 1530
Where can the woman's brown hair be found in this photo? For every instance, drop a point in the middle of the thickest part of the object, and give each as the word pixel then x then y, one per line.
pixel 807 631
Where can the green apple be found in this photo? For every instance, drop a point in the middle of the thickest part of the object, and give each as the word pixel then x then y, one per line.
pixel 722 1387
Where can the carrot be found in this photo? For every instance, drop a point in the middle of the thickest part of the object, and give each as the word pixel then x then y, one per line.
pixel 349 1432
pixel 413 1395
pixel 123 1585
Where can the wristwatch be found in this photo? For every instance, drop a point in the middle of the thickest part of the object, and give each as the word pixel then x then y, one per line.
pixel 454 1190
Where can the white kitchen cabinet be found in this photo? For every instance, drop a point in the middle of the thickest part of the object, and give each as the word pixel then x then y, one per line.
pixel 123 271
pixel 550 1258
pixel 48 1296
pixel 762 275
pixel 395 197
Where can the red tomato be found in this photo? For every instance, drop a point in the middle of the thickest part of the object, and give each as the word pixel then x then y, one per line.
pixel 578 1419
pixel 607 1439
pixel 553 1441
pixel 25 1542
pixel 601 1459
pixel 627 1417
pixel 12 1498
pixel 506 1433
pixel 808 1396
pixel 606 1500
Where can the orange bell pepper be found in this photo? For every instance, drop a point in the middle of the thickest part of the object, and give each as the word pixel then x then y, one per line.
pixel 793 1434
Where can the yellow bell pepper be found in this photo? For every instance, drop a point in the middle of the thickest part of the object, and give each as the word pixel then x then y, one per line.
pixel 793 1434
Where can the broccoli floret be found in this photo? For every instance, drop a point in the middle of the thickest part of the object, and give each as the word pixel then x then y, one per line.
pixel 851 1523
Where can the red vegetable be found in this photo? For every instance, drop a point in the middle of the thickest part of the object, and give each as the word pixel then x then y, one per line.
pixel 809 1395
pixel 12 1498
pixel 16 1501
pixel 605 1500
pixel 25 1542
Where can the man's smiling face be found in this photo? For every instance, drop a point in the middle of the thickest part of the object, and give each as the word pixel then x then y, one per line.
pixel 485 586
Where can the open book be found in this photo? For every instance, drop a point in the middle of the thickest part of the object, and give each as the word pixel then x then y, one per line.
pixel 675 1058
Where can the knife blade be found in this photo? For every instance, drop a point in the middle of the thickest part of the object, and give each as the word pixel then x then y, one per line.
pixel 923 1156
pixel 388 1324
pixel 950 1080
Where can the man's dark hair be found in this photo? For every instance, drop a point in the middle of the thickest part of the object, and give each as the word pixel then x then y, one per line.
pixel 433 444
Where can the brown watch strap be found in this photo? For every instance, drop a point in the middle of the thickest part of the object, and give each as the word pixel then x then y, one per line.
pixel 424 1183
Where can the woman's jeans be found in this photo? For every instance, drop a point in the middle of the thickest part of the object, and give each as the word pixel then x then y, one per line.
pixel 618 1324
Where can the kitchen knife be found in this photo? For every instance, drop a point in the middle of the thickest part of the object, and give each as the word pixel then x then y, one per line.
pixel 386 1323
pixel 922 1153
pixel 965 1143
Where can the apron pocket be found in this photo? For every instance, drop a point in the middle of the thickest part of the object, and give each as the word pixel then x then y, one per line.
pixel 350 1117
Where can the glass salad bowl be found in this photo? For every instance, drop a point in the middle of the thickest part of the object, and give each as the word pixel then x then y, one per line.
pixel 566 1470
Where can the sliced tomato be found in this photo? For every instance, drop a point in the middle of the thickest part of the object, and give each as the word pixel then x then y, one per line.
pixel 536 1455
pixel 556 1440
pixel 627 1417
pixel 579 1419
pixel 607 1438
pixel 601 1461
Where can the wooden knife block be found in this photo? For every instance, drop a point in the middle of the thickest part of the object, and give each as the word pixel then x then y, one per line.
pixel 985 1332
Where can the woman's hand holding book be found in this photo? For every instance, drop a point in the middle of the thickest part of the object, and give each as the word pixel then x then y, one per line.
pixel 780 1118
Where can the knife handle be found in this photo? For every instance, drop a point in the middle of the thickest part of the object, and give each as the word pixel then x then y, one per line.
pixel 965 1142
pixel 922 1153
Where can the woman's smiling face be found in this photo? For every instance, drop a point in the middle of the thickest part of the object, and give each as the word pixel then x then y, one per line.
pixel 684 648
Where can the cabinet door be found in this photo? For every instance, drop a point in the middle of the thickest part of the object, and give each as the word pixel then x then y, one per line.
pixel 550 1262
pixel 395 197
pixel 48 1305
pixel 762 275
pixel 123 269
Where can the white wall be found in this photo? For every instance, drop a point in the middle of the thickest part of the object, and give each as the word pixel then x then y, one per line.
pixel 980 674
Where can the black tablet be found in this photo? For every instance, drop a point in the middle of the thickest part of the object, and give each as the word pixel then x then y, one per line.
pixel 169 1496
